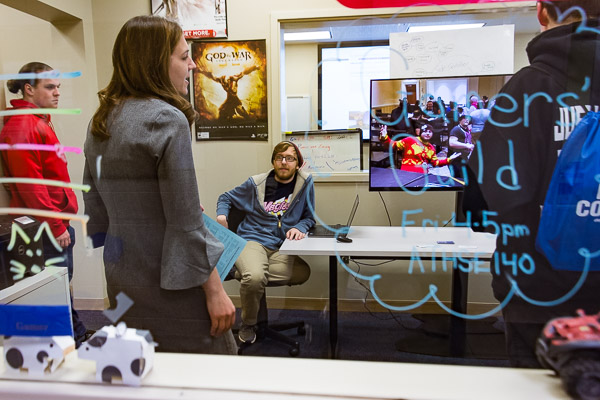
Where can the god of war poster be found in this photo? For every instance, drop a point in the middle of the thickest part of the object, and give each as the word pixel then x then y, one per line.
pixel 230 90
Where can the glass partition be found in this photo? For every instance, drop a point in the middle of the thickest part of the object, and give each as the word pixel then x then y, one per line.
pixel 429 277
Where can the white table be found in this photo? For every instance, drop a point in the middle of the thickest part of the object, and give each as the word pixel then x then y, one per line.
pixel 401 243
pixel 195 376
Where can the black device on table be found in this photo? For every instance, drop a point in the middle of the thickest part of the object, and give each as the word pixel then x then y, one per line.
pixel 331 230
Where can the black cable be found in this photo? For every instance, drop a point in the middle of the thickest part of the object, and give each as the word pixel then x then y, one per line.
pixel 368 292
pixel 450 220
pixel 392 315
pixel 390 219
pixel 386 210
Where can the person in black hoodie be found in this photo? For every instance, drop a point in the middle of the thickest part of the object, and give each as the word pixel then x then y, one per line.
pixel 509 174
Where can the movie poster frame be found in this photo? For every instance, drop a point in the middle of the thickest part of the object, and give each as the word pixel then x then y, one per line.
pixel 199 31
pixel 255 128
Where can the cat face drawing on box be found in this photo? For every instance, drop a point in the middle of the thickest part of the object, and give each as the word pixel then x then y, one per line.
pixel 27 253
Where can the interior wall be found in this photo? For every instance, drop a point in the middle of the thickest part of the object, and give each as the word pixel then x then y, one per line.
pixel 387 95
pixel 521 41
pixel 12 20
pixel 490 85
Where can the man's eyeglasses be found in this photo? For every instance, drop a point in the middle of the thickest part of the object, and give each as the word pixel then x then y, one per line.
pixel 288 159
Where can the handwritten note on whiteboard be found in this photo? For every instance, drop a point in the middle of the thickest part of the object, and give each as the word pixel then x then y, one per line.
pixel 328 151
pixel 463 52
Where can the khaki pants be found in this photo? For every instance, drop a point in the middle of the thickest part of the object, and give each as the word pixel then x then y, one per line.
pixel 258 266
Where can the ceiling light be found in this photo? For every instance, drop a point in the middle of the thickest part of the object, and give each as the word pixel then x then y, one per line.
pixel 430 28
pixel 312 35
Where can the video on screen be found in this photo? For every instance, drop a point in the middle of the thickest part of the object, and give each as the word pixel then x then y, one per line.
pixel 424 130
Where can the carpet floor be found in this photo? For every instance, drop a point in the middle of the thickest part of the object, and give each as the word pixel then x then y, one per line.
pixel 368 336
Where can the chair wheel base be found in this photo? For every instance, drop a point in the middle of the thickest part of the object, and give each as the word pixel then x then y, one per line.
pixel 273 333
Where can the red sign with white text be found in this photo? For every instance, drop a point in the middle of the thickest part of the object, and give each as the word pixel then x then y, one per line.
pixel 408 3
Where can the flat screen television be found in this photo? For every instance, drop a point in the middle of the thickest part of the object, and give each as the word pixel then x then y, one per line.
pixel 390 168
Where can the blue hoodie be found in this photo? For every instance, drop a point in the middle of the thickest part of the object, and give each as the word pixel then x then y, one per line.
pixel 259 225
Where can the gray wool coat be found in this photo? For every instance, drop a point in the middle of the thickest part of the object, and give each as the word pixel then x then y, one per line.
pixel 144 208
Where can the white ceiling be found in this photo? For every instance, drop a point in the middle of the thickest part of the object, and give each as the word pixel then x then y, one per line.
pixel 379 28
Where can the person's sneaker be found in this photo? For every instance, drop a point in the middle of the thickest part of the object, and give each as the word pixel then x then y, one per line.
pixel 247 333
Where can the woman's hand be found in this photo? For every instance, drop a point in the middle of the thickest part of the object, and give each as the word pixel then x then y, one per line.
pixel 220 308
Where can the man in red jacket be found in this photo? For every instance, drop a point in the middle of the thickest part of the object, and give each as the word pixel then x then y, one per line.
pixel 40 164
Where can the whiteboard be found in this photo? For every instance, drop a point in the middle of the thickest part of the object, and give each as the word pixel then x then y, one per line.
pixel 327 151
pixel 298 113
pixel 463 52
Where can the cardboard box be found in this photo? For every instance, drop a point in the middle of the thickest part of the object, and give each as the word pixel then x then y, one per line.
pixel 122 355
pixel 36 355
pixel 24 257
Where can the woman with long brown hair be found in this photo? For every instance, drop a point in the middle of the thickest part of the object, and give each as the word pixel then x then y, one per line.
pixel 144 204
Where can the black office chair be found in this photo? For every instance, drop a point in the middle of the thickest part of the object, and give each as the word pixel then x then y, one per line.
pixel 264 329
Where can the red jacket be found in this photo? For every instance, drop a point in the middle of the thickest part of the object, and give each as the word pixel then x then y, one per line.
pixel 36 129
pixel 416 154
